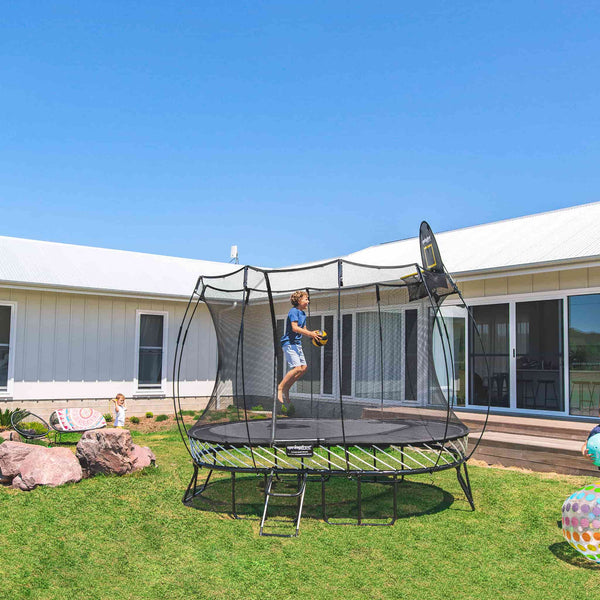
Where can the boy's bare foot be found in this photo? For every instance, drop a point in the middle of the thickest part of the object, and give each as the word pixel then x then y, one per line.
pixel 280 395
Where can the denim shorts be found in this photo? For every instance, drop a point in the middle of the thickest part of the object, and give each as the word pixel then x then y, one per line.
pixel 294 355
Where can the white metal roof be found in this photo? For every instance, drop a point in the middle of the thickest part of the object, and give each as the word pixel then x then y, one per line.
pixel 53 265
pixel 565 235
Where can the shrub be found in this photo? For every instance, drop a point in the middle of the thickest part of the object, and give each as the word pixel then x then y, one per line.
pixel 258 407
pixel 149 415
pixel 187 413
pixel 161 418
pixel 134 420
pixel 290 410
pixel 5 416
pixel 108 417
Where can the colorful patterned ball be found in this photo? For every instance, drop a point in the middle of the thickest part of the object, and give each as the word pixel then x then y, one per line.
pixel 581 521
pixel 593 447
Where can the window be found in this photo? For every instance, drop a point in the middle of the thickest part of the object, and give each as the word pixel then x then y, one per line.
pixel 319 376
pixel 410 355
pixel 311 382
pixel 347 325
pixel 328 356
pixel 151 354
pixel 5 340
pixel 370 367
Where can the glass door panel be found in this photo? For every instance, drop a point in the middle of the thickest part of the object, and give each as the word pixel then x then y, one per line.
pixel 584 354
pixel 489 356
pixel 539 355
pixel 449 362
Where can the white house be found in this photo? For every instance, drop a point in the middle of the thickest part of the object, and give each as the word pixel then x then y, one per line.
pixel 80 324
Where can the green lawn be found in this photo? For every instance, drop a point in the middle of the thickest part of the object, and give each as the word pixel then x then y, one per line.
pixel 131 537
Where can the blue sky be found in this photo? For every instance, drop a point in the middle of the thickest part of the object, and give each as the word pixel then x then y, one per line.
pixel 296 130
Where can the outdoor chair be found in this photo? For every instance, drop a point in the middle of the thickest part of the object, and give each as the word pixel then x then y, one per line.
pixel 75 420
pixel 28 425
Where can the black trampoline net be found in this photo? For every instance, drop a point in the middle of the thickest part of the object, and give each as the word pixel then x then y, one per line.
pixel 387 374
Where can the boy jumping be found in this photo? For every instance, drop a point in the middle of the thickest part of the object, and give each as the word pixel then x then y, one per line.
pixel 291 344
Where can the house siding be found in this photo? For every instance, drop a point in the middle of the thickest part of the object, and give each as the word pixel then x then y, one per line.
pixel 559 281
pixel 72 346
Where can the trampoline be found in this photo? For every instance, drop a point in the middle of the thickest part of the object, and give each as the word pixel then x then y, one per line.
pixel 375 403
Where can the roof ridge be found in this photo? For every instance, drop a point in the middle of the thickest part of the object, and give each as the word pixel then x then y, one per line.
pixel 99 248
pixel 508 220
pixel 531 216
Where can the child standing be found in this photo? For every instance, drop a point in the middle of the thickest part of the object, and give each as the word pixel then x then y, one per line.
pixel 120 409
pixel 291 343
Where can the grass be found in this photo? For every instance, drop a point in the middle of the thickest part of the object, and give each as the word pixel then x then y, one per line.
pixel 131 537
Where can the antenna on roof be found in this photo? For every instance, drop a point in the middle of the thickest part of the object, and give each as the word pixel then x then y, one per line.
pixel 233 255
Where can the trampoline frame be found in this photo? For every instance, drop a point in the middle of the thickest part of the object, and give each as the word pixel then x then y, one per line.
pixel 216 456
pixel 194 490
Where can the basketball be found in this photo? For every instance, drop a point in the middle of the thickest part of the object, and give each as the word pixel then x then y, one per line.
pixel 322 341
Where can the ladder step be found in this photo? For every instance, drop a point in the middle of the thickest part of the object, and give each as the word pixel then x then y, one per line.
pixel 298 494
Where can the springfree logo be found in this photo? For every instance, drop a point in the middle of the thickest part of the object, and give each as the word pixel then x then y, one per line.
pixel 299 450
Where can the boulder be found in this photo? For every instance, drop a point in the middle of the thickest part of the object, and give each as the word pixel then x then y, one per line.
pixel 142 457
pixel 111 451
pixel 12 454
pixel 10 435
pixel 51 466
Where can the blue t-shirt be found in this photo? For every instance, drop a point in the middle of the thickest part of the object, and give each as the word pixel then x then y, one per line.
pixel 290 337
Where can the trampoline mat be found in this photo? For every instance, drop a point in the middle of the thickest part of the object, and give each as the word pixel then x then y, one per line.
pixel 361 432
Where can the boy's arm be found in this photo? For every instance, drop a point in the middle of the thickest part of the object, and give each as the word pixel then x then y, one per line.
pixel 311 334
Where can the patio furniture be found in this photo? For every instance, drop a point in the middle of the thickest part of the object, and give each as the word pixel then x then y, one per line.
pixel 526 392
pixel 548 399
pixel 75 420
pixel 28 425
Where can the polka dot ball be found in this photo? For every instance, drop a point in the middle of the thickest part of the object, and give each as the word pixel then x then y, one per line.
pixel 581 521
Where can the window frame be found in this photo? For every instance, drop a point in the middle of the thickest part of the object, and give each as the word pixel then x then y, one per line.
pixel 7 392
pixel 161 389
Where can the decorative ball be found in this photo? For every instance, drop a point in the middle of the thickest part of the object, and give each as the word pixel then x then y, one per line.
pixel 593 447
pixel 581 521
pixel 322 341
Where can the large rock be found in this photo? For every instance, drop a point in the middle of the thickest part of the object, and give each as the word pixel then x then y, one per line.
pixel 12 454
pixel 142 457
pixel 111 451
pixel 10 435
pixel 52 467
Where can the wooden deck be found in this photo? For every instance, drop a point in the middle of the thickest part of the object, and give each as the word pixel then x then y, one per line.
pixel 545 445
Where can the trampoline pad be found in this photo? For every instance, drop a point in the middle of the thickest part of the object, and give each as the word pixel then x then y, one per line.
pixel 327 432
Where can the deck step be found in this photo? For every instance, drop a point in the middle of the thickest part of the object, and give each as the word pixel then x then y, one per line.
pixel 543 454
pixel 562 429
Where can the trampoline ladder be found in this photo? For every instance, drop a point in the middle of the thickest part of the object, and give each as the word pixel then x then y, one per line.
pixel 299 494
